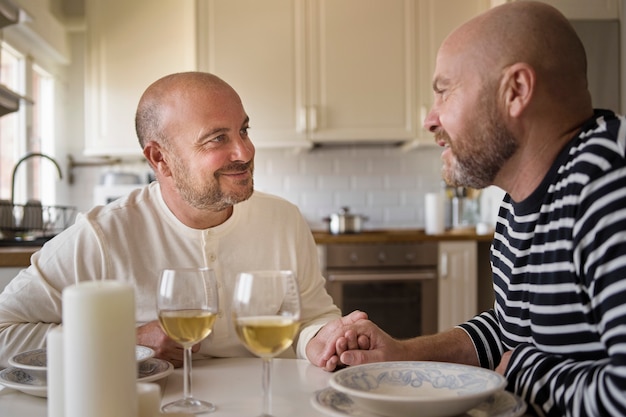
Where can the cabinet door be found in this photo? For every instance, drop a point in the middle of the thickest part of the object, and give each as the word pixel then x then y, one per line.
pixel 130 44
pixel 258 48
pixel 457 283
pixel 362 70
pixel 437 19
pixel 587 9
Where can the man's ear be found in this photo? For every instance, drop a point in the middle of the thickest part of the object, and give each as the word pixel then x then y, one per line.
pixel 518 86
pixel 155 155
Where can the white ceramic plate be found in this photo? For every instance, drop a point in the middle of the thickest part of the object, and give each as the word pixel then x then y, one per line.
pixel 337 404
pixel 427 389
pixel 21 380
pixel 36 360
pixel 154 369
pixel 151 369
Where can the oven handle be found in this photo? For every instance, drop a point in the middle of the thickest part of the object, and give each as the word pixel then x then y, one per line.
pixel 383 276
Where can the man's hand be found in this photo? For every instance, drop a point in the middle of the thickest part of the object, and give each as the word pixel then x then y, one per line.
pixel 504 362
pixel 335 338
pixel 380 346
pixel 152 336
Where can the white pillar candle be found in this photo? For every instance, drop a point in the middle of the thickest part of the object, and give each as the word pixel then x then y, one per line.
pixel 434 214
pixel 99 343
pixel 55 373
pixel 149 398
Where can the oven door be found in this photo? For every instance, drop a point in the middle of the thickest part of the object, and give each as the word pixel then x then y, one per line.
pixel 403 302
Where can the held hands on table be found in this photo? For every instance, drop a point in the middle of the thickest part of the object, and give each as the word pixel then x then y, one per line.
pixel 349 340
pixel 355 340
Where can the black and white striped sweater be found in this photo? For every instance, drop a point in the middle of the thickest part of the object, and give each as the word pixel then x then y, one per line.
pixel 559 270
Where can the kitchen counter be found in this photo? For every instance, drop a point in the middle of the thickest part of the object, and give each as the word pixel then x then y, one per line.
pixel 400 235
pixel 16 256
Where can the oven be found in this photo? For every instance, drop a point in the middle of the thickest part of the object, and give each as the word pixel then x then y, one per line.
pixel 394 283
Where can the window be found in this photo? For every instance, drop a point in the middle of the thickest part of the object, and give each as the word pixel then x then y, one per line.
pixel 30 129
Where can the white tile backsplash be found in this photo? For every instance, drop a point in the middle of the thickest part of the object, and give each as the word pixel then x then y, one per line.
pixel 385 184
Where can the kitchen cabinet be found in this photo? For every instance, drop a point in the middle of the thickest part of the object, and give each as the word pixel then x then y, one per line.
pixel 321 71
pixel 361 71
pixel 258 47
pixel 587 9
pixel 130 44
pixel 329 71
pixel 458 282
pixel 436 19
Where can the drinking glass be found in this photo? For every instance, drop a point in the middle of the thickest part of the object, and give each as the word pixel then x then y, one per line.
pixel 187 306
pixel 266 314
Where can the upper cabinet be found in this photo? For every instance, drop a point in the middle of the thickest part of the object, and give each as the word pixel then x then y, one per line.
pixel 436 19
pixel 329 71
pixel 587 9
pixel 258 47
pixel 316 71
pixel 130 44
pixel 307 71
pixel 361 71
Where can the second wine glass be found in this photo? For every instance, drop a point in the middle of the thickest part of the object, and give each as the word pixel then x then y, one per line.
pixel 187 306
pixel 266 314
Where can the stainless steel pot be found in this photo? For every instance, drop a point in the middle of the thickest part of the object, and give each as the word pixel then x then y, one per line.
pixel 345 222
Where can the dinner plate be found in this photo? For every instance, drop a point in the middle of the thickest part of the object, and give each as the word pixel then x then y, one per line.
pixel 337 404
pixel 151 369
pixel 36 359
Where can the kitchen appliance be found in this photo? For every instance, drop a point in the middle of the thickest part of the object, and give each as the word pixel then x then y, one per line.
pixel 345 222
pixel 394 283
pixel 116 184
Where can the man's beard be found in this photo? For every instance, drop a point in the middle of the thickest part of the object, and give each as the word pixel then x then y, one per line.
pixel 209 195
pixel 479 154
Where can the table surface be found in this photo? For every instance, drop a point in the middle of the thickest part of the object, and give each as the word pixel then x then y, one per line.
pixel 233 385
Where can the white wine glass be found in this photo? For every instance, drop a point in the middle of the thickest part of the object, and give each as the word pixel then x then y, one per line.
pixel 266 314
pixel 187 306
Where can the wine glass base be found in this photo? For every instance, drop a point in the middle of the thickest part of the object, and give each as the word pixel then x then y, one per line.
pixel 189 405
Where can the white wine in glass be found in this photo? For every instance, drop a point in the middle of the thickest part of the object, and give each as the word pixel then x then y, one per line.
pixel 187 306
pixel 266 314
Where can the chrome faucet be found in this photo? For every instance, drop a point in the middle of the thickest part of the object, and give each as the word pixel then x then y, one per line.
pixel 28 156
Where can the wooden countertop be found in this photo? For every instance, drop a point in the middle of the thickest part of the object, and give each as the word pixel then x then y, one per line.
pixel 401 235
pixel 16 256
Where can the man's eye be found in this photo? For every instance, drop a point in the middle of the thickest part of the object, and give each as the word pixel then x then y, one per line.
pixel 220 138
pixel 244 131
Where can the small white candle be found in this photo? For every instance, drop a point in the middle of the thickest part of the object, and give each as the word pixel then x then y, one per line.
pixel 99 344
pixel 149 398
pixel 55 373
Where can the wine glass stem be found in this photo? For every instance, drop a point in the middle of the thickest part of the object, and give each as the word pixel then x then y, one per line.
pixel 267 387
pixel 187 372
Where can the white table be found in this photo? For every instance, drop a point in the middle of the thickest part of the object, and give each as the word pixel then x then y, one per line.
pixel 233 385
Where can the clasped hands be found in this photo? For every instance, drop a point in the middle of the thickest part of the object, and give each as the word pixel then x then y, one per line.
pixel 352 340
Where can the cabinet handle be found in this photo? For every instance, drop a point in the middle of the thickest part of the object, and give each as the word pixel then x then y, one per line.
pixel 313 118
pixel 301 120
pixel 423 113
pixel 443 268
